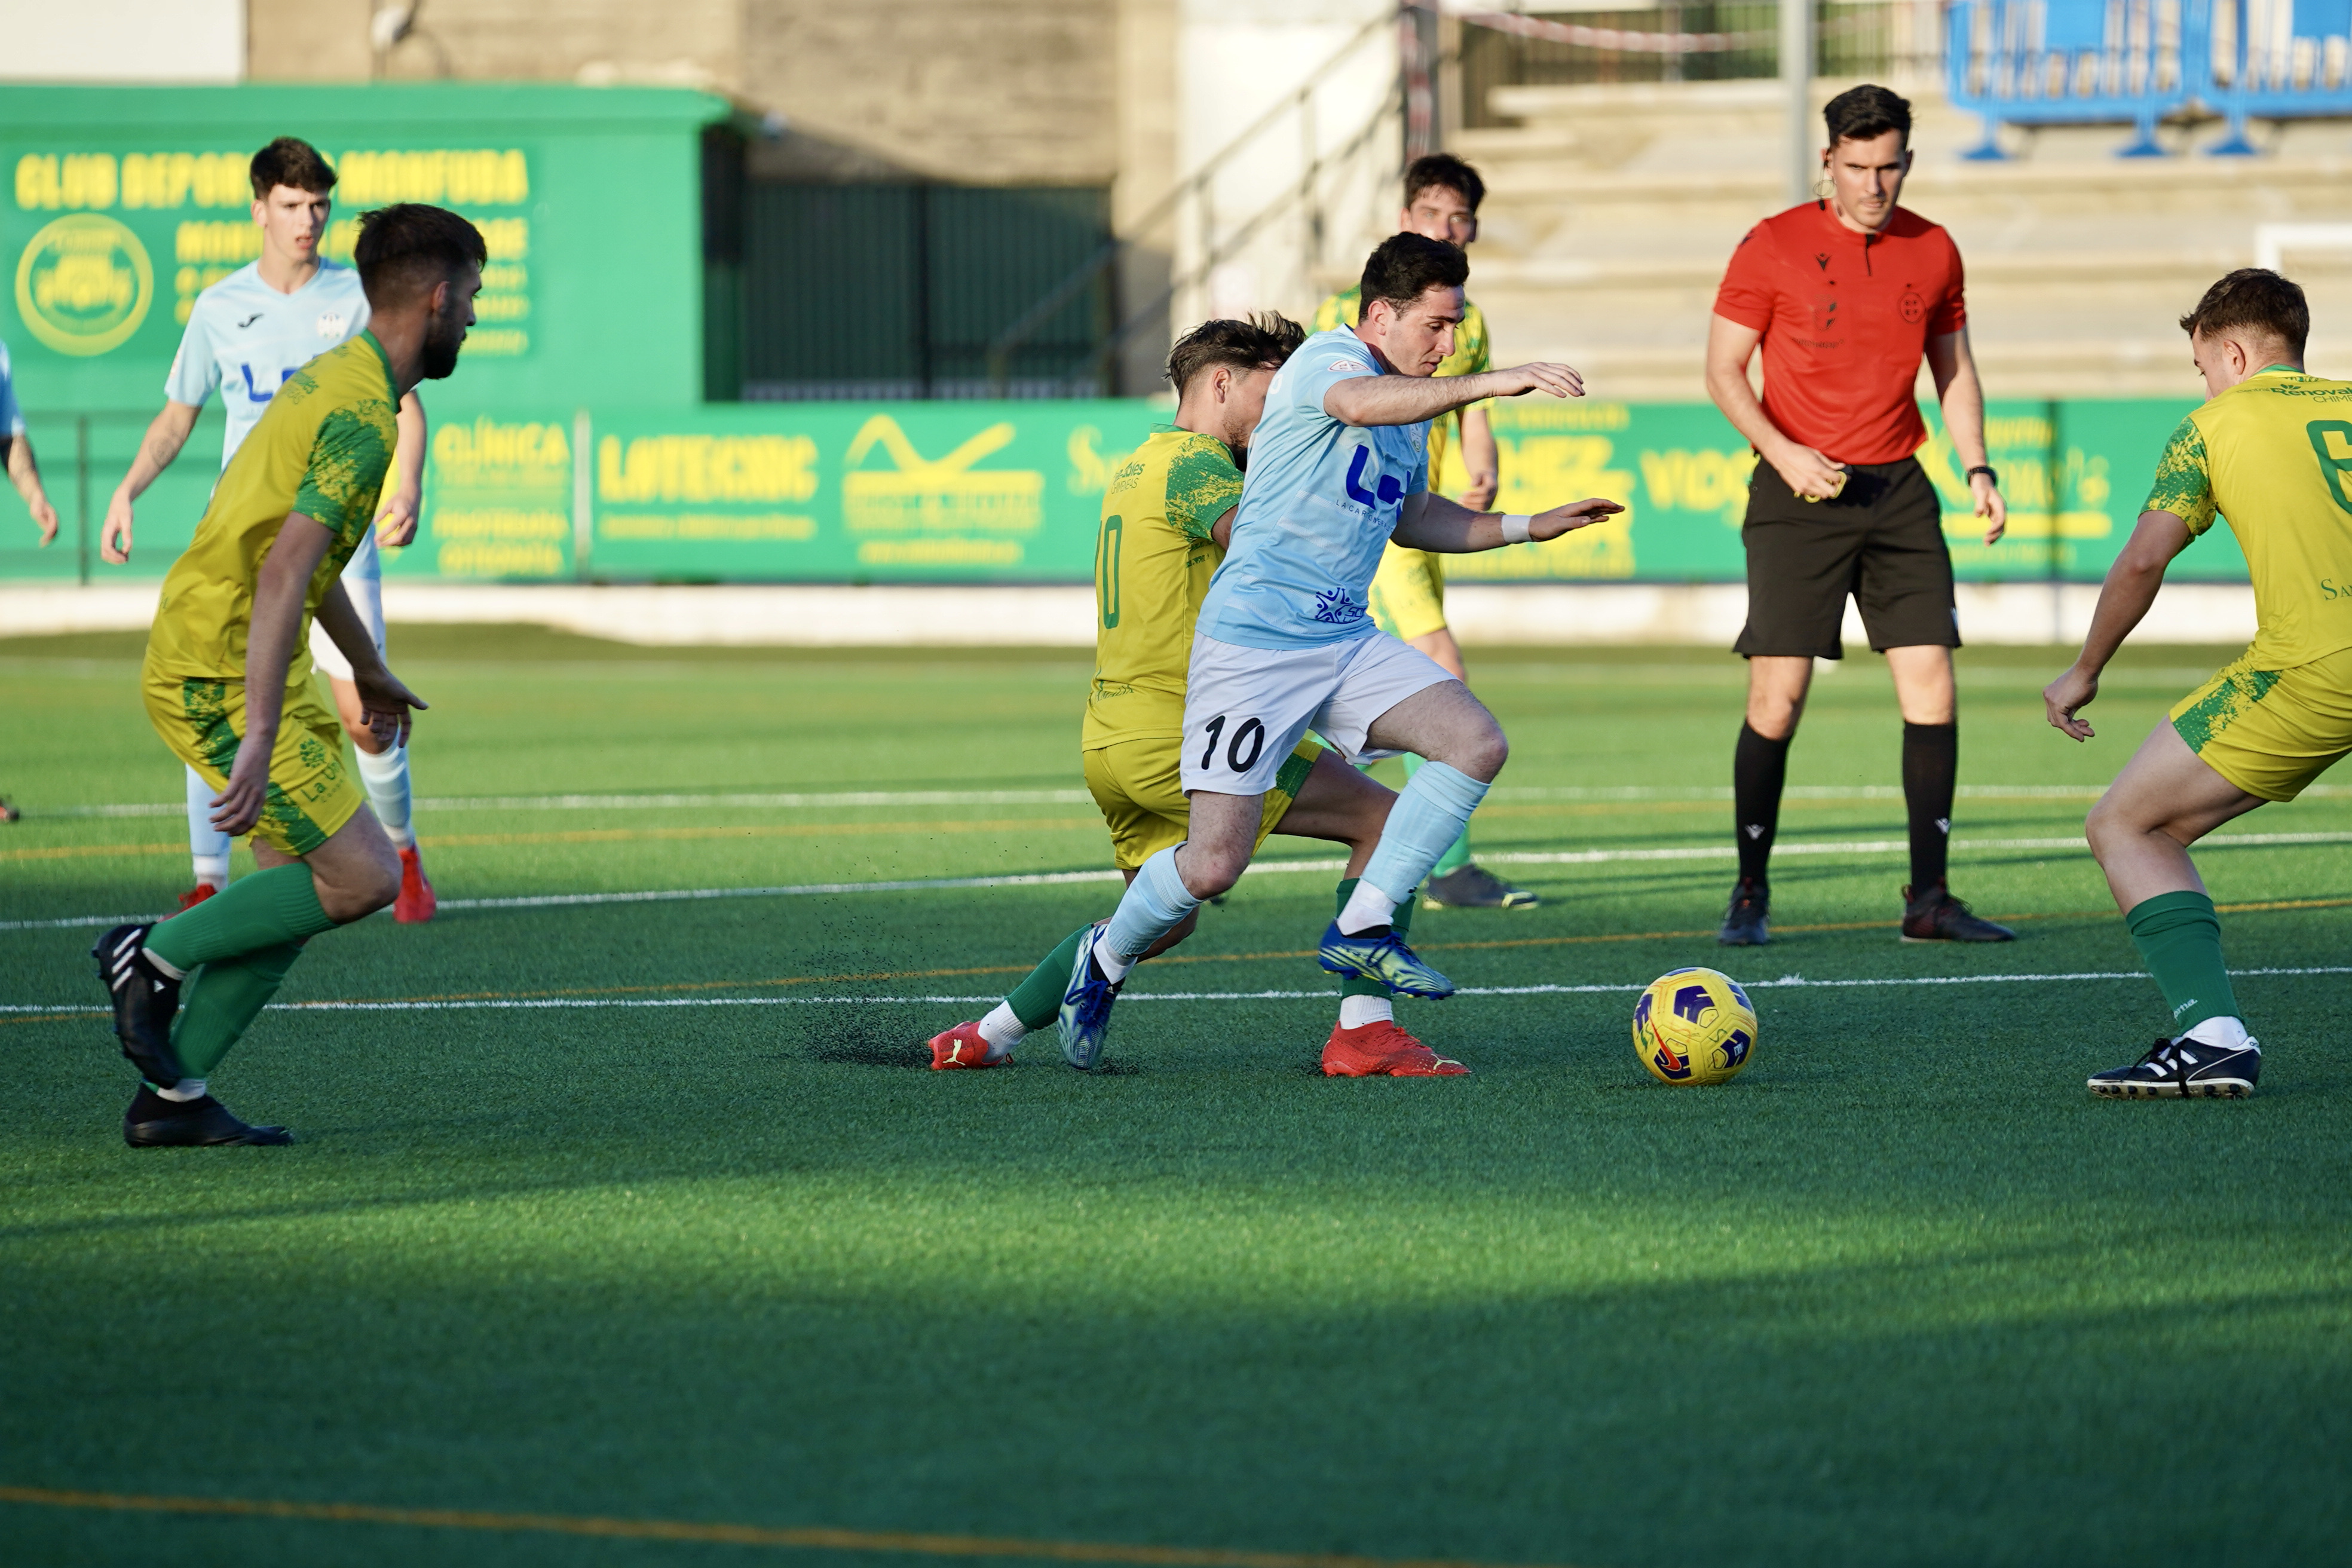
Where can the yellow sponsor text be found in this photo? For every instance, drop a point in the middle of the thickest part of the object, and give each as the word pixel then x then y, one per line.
pixel 499 557
pixel 702 469
pixel 938 496
pixel 939 553
pixel 698 525
pixel 450 177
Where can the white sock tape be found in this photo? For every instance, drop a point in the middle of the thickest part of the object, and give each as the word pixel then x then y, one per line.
pixel 1515 527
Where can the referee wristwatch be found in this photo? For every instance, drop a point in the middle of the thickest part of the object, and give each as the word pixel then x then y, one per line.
pixel 1986 470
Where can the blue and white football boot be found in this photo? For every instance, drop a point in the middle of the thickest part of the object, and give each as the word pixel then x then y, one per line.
pixel 2185 1068
pixel 1084 1018
pixel 1382 955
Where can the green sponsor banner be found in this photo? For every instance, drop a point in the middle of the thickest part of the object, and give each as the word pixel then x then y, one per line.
pixel 858 492
pixel 971 492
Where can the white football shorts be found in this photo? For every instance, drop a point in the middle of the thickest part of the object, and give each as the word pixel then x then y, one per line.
pixel 1246 708
pixel 363 580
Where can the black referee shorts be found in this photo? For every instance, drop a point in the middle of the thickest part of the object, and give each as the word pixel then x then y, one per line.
pixel 1881 541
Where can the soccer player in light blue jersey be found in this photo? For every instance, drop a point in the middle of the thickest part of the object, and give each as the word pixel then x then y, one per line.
pixel 248 334
pixel 1285 642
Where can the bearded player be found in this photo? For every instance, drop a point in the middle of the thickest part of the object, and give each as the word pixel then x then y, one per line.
pixel 1168 516
pixel 1285 642
pixel 228 685
pixel 248 334
pixel 2272 452
pixel 1442 194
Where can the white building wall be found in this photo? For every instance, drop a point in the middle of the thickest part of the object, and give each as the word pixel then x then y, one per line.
pixel 122 40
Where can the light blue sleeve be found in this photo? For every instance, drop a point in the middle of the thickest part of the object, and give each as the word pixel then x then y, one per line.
pixel 195 370
pixel 12 418
pixel 1327 367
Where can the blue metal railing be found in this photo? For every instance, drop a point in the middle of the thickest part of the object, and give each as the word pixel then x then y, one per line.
pixel 2135 62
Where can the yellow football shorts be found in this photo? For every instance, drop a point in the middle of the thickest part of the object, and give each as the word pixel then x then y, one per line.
pixel 2270 732
pixel 1409 593
pixel 311 790
pixel 1138 785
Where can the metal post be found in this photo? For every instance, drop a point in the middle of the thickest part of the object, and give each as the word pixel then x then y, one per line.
pixel 1804 153
pixel 81 498
pixel 583 503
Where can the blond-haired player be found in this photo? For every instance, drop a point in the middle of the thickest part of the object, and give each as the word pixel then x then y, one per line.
pixel 1442 194
pixel 2273 453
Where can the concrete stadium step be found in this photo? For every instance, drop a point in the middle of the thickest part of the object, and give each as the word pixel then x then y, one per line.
pixel 1613 209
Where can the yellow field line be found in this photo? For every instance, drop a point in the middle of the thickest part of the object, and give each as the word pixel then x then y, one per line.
pixel 805 1538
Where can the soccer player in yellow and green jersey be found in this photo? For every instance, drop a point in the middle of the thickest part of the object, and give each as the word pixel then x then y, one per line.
pixel 1442 194
pixel 2272 452
pixel 227 682
pixel 1167 516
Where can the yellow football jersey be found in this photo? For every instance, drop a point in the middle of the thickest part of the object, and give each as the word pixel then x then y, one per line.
pixel 2273 457
pixel 1471 354
pixel 1154 560
pixel 321 449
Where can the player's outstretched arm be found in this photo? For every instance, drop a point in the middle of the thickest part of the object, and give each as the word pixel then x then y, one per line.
pixel 384 702
pixel 1432 523
pixel 17 455
pixel 2124 601
pixel 166 434
pixel 301 543
pixel 395 525
pixel 1364 400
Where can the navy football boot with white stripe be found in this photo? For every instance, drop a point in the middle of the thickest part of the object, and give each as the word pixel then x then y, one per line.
pixel 2185 1068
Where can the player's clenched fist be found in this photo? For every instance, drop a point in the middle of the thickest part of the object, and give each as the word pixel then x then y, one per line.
pixel 1567 519
pixel 1560 380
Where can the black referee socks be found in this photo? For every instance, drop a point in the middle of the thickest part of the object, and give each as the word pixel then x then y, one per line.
pixel 1931 762
pixel 1758 768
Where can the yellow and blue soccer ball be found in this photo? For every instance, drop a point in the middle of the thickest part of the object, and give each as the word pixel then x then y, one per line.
pixel 1693 1025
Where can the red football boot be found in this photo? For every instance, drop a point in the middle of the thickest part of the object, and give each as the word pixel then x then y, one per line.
pixel 962 1046
pixel 1383 1050
pixel 416 903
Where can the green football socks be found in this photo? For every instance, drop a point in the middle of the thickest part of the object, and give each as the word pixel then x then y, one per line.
pixel 265 909
pixel 1038 999
pixel 1454 858
pixel 2179 939
pixel 221 1001
pixel 1401 922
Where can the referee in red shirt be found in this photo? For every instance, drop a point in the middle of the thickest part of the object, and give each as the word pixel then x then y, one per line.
pixel 1846 294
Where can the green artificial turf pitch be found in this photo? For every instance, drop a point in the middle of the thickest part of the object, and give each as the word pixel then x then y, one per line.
pixel 1904 1293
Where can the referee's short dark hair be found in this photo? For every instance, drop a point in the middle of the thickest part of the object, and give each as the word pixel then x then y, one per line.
pixel 1444 169
pixel 406 248
pixel 1256 343
pixel 291 162
pixel 1862 113
pixel 1407 266
pixel 2254 298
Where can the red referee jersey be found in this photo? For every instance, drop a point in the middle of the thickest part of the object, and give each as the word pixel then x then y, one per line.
pixel 1845 318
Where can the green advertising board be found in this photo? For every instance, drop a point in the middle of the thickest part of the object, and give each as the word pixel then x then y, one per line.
pixel 120 205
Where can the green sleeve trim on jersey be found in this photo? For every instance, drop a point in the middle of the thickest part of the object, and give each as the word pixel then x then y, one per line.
pixel 1202 484
pixel 2184 479
pixel 348 460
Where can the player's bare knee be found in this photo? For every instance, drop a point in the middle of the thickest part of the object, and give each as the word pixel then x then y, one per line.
pixel 1211 875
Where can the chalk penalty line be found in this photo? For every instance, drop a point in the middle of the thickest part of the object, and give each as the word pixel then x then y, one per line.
pixel 2072 845
pixel 811 1539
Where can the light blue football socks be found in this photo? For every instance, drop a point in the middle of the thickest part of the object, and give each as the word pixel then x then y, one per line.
pixel 1430 813
pixel 1156 903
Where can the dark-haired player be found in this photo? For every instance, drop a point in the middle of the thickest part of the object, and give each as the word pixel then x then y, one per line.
pixel 1442 194
pixel 246 334
pixel 1286 643
pixel 1167 517
pixel 1846 294
pixel 223 688
pixel 2273 453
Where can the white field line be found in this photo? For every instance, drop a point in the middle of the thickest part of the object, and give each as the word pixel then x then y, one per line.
pixel 1054 879
pixel 841 799
pixel 1785 983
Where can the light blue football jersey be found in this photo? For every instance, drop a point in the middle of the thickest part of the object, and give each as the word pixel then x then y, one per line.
pixel 12 417
pixel 1319 502
pixel 245 339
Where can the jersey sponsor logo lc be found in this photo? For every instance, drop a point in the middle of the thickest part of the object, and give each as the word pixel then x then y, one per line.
pixel 332 324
